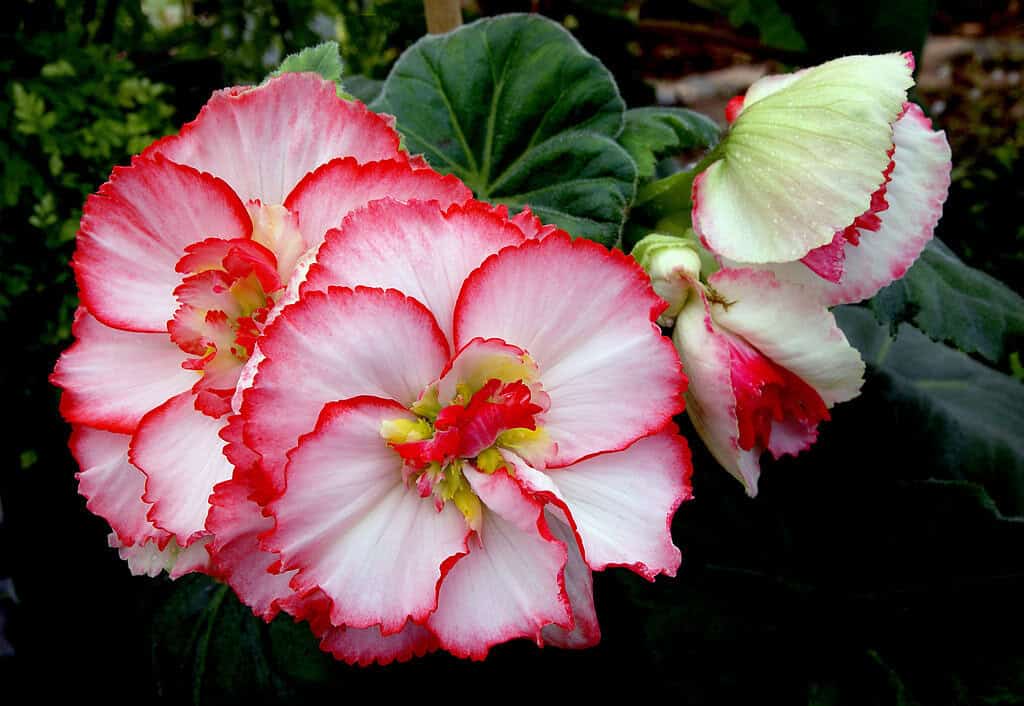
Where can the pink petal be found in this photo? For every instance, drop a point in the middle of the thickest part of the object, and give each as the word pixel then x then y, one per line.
pixel 511 584
pixel 587 317
pixel 621 504
pixel 920 181
pixel 710 400
pixel 263 140
pixel 181 453
pixel 112 486
pixel 368 646
pixel 532 227
pixel 792 328
pixel 236 556
pixel 355 530
pixel 416 248
pixel 135 229
pixel 579 586
pixel 331 346
pixel 111 378
pixel 324 197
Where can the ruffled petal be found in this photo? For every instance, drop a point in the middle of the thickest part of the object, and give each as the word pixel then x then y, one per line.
pixel 621 503
pixel 180 451
pixel 113 486
pixel 586 316
pixel 802 159
pixel 579 586
pixel 150 559
pixel 918 187
pixel 135 229
pixel 236 557
pixel 332 346
pixel 112 378
pixel 324 197
pixel 416 248
pixel 511 584
pixel 792 328
pixel 368 646
pixel 710 400
pixel 263 140
pixel 353 528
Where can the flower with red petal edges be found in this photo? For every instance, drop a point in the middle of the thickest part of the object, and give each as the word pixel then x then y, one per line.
pixel 881 244
pixel 827 176
pixel 452 427
pixel 766 361
pixel 182 260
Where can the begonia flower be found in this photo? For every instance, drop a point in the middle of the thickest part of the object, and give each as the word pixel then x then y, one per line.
pixel 831 167
pixel 881 245
pixel 765 361
pixel 452 427
pixel 181 260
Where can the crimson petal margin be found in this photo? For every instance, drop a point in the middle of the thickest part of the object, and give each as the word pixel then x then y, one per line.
pixel 112 378
pixel 331 346
pixel 263 140
pixel 326 196
pixel 512 583
pixel 416 248
pixel 587 316
pixel 354 529
pixel 135 229
pixel 180 451
pixel 113 486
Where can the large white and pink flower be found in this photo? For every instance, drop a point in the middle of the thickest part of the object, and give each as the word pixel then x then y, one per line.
pixel 827 176
pixel 181 260
pixel 766 361
pixel 454 425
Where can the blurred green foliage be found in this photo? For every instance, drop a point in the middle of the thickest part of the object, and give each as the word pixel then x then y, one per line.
pixel 72 109
pixel 92 83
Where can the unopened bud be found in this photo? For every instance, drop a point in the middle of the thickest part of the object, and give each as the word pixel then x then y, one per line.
pixel 673 265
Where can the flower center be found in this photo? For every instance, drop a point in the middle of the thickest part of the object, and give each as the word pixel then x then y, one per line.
pixel 767 393
pixel 493 408
pixel 229 288
pixel 224 299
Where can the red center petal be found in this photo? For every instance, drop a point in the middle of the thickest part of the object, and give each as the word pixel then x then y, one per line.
pixel 768 393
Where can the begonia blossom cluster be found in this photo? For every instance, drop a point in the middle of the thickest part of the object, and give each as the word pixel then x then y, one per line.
pixel 314 368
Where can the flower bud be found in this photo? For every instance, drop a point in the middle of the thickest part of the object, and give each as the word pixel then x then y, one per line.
pixel 673 265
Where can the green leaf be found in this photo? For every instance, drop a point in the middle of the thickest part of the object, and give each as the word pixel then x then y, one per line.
pixel 774 25
pixel 323 59
pixel 515 107
pixel 962 419
pixel 953 302
pixel 364 88
pixel 208 648
pixel 651 134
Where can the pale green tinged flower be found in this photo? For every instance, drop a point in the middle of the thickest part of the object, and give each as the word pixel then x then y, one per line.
pixel 802 159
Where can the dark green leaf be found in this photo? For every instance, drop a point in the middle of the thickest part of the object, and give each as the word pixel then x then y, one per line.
pixel 323 59
pixel 363 88
pixel 773 24
pixel 963 419
pixel 653 133
pixel 953 302
pixel 210 649
pixel 517 109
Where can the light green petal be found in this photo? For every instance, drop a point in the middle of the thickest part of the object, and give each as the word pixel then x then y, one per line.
pixel 802 159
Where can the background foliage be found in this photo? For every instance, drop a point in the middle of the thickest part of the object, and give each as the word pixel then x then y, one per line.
pixel 883 567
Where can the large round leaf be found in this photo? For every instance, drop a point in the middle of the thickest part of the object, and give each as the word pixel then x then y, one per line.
pixel 515 107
